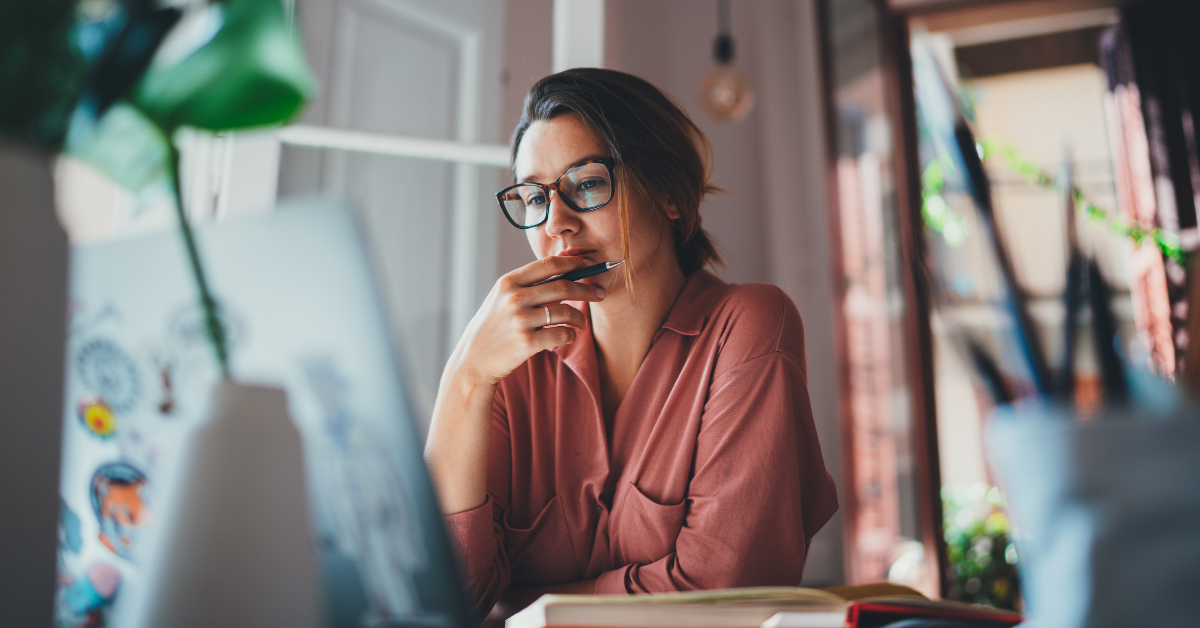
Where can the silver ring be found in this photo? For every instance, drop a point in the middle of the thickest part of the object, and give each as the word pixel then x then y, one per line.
pixel 547 308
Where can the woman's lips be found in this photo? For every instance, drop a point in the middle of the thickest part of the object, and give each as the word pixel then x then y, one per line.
pixel 576 252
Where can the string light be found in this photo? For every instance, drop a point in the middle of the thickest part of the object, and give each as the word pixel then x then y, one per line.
pixel 724 92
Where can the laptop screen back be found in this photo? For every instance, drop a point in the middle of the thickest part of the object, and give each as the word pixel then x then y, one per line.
pixel 301 312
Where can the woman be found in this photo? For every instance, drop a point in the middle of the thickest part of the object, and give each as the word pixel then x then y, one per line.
pixel 643 430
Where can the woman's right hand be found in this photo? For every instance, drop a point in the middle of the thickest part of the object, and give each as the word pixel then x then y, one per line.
pixel 511 325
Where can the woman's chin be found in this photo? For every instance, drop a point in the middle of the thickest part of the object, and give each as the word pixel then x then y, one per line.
pixel 610 283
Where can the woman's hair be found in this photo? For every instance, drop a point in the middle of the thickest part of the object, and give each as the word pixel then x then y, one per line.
pixel 659 154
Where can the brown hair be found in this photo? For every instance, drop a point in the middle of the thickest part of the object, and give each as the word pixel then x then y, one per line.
pixel 659 154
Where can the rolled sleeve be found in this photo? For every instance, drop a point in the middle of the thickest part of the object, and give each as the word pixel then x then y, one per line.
pixel 613 582
pixel 477 534
pixel 472 535
pixel 477 539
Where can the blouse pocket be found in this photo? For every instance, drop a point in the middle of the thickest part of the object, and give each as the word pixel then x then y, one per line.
pixel 647 529
pixel 543 552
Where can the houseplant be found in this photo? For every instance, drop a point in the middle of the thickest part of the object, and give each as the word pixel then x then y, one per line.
pixel 64 78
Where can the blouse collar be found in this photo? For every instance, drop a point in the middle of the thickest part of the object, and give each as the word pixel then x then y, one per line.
pixel 691 308
pixel 687 316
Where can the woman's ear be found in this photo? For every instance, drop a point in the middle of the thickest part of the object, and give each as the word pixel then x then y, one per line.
pixel 672 211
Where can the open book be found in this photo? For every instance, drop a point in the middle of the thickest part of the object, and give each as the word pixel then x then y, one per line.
pixel 784 607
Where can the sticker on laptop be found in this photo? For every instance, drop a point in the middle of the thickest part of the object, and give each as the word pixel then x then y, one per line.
pixel 107 370
pixel 120 502
pixel 82 600
pixel 97 418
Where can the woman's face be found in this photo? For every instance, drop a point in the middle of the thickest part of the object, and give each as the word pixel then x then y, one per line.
pixel 551 147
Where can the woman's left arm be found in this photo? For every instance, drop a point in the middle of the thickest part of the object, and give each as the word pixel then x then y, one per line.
pixel 759 490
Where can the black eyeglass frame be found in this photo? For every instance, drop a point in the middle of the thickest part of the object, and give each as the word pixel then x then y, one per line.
pixel 548 187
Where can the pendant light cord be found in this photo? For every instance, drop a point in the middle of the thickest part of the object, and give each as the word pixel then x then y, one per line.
pixel 723 47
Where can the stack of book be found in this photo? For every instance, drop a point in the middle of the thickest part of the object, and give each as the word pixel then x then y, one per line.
pixel 768 607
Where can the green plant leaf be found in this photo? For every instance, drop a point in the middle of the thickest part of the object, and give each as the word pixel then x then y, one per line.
pixel 124 145
pixel 41 71
pixel 251 73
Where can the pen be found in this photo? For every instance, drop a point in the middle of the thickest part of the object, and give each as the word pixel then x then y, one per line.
pixel 990 373
pixel 576 275
pixel 1076 278
pixel 1104 333
pixel 977 181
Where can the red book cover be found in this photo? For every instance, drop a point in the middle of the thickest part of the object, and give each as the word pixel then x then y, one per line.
pixel 868 614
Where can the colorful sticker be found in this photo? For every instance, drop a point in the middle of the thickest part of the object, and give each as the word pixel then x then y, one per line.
pixel 119 499
pixel 69 538
pixel 189 327
pixel 107 371
pixel 82 600
pixel 97 417
pixel 166 405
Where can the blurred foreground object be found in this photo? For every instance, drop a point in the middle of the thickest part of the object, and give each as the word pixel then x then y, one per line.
pixel 237 547
pixel 309 324
pixel 240 552
pixel 235 65
pixel 224 66
pixel 1107 511
pixel 216 66
pixel 33 287
pixel 39 72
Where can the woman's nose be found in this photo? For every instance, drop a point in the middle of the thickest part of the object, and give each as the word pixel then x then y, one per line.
pixel 562 219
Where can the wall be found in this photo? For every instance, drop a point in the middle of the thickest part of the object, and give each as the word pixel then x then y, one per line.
pixel 771 224
pixel 669 43
pixel 527 43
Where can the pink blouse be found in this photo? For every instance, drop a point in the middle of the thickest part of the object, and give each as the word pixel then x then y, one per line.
pixel 708 476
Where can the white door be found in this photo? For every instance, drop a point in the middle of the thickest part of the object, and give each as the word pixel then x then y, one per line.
pixel 404 70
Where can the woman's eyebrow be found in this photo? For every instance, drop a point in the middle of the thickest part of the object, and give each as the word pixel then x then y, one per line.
pixel 577 162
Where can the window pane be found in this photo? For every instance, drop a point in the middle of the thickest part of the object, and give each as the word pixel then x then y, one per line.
pixel 883 519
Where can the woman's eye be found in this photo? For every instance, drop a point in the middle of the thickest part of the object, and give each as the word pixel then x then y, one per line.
pixel 536 200
pixel 591 184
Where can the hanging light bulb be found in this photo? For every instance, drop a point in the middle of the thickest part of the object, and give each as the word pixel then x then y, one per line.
pixel 724 92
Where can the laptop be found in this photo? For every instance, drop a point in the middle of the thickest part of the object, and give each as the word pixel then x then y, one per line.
pixel 300 308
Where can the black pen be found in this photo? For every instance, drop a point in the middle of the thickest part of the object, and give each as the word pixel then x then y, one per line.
pixel 1018 302
pixel 989 373
pixel 1104 334
pixel 1074 293
pixel 576 275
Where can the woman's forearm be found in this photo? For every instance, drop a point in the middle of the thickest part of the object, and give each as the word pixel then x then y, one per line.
pixel 459 437
pixel 519 318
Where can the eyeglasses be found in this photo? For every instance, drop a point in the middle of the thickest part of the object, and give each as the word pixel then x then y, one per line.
pixel 584 188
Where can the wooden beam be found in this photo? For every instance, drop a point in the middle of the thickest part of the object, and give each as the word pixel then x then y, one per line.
pixel 901 104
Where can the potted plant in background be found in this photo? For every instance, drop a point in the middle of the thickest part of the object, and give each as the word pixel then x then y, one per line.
pixel 240 556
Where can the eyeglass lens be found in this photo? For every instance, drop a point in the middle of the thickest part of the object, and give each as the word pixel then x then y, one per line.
pixel 585 187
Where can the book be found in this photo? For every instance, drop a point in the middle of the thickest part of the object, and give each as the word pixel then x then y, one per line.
pixel 726 608
pixel 857 607
pixel 877 612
